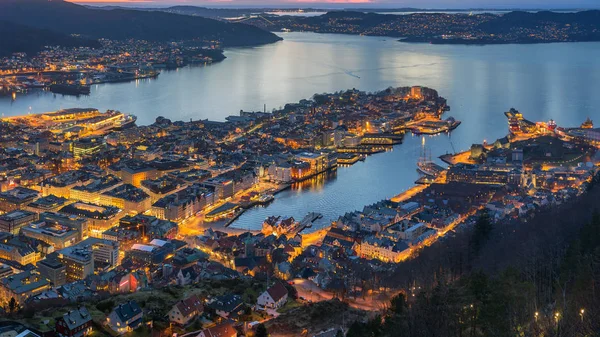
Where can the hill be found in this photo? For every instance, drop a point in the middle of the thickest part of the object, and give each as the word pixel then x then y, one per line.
pixel 19 38
pixel 68 18
pixel 450 28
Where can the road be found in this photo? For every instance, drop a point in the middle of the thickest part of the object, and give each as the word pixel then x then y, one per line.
pixel 311 292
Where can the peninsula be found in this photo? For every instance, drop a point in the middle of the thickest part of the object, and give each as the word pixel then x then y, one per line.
pixel 449 28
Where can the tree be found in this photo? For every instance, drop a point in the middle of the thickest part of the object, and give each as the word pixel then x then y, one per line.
pixel 261 331
pixel 339 333
pixel 13 306
pixel 481 233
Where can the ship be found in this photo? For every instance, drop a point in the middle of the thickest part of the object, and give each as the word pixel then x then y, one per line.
pixel 425 166
pixel 265 199
pixel 588 124
pixel 125 122
pixel 70 89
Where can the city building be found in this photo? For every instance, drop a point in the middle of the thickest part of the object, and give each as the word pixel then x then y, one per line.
pixel 50 203
pixel 22 286
pixel 183 204
pixel 87 147
pixel 74 222
pixel 12 222
pixel 150 227
pixel 92 254
pixel 57 235
pixel 61 185
pixel 100 218
pixel 16 198
pixel 126 197
pixel 22 250
pixel 92 192
pixel 383 249
pixel 53 270
pixel 133 171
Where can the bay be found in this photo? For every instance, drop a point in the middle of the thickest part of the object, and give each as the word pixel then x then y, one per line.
pixel 557 81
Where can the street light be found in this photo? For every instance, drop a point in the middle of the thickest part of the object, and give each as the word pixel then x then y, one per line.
pixel 581 312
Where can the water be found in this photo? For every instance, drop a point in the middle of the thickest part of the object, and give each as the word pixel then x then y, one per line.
pixel 545 81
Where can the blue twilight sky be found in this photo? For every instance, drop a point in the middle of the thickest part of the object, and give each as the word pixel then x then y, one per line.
pixel 362 3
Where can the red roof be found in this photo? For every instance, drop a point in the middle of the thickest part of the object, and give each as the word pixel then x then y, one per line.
pixel 223 330
pixel 189 305
pixel 277 291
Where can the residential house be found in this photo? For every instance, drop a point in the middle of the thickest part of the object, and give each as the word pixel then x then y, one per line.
pixel 74 323
pixel 221 330
pixel 186 311
pixel 125 318
pixel 273 298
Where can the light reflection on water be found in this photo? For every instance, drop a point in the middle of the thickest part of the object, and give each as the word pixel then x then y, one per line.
pixel 545 81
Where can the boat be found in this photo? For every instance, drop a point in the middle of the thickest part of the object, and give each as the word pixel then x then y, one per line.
pixel 425 166
pixel 265 199
pixel 70 89
pixel 588 124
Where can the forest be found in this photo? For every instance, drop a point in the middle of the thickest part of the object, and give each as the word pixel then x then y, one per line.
pixel 527 277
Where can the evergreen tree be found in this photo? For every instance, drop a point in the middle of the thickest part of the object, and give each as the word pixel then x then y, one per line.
pixel 261 331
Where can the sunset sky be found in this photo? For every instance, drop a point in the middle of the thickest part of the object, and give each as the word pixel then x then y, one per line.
pixel 366 3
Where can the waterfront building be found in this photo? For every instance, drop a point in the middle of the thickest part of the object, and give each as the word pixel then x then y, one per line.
pixel 16 198
pixel 183 204
pixel 475 174
pixel 22 286
pixel 12 222
pixel 319 162
pixel 70 114
pixel 281 172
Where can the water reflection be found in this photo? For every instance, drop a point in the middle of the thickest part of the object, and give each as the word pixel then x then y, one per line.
pixel 545 81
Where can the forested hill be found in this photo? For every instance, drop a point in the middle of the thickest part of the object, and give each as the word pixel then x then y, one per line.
pixel 69 18
pixel 19 38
